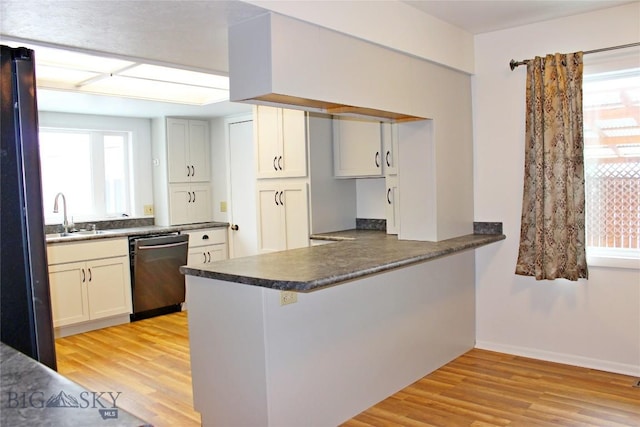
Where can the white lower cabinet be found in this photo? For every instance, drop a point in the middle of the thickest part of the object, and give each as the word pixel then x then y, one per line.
pixel 207 246
pixel 283 219
pixel 190 203
pixel 89 280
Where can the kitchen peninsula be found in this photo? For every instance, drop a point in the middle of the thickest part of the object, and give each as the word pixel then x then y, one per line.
pixel 373 314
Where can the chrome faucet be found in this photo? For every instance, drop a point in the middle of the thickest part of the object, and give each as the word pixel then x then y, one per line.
pixel 65 222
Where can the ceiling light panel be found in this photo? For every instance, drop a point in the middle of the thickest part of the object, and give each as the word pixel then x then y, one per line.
pixel 194 78
pixel 49 76
pixel 68 59
pixel 129 87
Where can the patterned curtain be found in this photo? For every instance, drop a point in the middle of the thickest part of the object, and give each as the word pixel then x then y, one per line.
pixel 552 233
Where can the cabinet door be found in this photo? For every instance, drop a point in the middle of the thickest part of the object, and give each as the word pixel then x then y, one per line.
pixel 200 203
pixel 69 303
pixel 270 218
pixel 392 209
pixel 390 151
pixel 197 256
pixel 296 216
pixel 356 148
pixel 108 287
pixel 267 141
pixel 199 151
pixel 179 203
pixel 294 144
pixel 177 150
pixel 217 252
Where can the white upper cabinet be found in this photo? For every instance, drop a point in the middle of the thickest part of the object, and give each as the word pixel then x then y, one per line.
pixel 390 148
pixel 190 203
pixel 281 141
pixel 357 148
pixel 188 150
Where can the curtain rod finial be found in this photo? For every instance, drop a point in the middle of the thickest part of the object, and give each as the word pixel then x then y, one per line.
pixel 513 64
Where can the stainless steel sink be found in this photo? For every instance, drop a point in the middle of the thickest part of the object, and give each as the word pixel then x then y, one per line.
pixel 74 233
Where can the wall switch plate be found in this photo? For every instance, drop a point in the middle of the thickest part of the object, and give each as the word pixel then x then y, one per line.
pixel 223 206
pixel 288 297
pixel 148 209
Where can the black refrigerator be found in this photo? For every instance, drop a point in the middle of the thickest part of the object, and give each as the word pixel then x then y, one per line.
pixel 25 311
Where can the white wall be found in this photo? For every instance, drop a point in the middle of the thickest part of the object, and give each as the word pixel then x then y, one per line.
pixel 219 171
pixel 370 198
pixel 595 322
pixel 389 23
pixel 140 149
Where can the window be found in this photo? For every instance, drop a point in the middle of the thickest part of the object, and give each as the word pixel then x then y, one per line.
pixel 611 104
pixel 90 167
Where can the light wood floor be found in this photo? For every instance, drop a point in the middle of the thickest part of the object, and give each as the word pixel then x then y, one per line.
pixel 148 361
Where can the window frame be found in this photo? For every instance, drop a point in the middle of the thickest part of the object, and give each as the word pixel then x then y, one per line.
pixel 597 67
pixel 96 141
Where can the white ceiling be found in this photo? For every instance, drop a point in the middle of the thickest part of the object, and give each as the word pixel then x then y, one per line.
pixel 193 34
pixel 481 16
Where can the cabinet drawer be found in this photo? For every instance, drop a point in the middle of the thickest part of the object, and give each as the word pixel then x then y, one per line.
pixel 210 236
pixel 58 253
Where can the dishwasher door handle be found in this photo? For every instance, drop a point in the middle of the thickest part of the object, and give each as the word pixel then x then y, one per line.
pixel 166 245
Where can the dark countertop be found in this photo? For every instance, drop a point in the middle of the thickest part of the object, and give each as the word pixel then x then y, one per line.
pixel 28 387
pixel 354 254
pixel 133 231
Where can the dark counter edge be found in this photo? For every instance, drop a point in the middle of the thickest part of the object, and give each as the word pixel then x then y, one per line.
pixel 137 231
pixel 456 244
pixel 25 376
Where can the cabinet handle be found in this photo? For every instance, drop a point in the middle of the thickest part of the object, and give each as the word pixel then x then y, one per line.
pixel 205 237
pixel 83 275
pixel 89 274
pixel 235 227
pixel 275 197
pixel 280 197
pixel 188 171
pixel 388 194
pixel 194 196
pixel 377 159
pixel 209 256
pixel 280 162
pixel 189 193
pixel 204 255
pixel 387 158
pixel 275 166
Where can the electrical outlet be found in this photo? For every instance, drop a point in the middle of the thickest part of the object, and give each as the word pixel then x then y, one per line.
pixel 148 209
pixel 288 297
pixel 223 206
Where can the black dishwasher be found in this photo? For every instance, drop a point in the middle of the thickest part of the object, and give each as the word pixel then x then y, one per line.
pixel 157 286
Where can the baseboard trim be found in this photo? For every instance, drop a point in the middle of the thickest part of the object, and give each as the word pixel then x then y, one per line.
pixel 567 359
pixel 65 331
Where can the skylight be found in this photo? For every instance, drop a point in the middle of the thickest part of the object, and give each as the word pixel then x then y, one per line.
pixel 65 70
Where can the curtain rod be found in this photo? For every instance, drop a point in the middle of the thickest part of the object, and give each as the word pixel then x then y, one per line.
pixel 513 64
